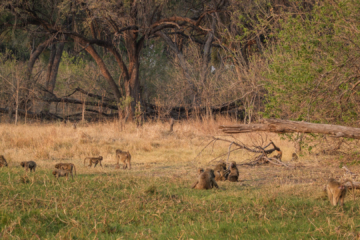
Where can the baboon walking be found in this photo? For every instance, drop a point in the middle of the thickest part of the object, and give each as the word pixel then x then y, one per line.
pixel 124 157
pixel 66 166
pixel 94 160
pixel 206 180
pixel 62 173
pixel 29 164
pixel 3 162
pixel 337 191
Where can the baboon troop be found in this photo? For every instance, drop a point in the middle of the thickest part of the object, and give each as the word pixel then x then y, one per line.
pixel 336 191
pixel 234 172
pixel 124 157
pixel 29 164
pixel 62 173
pixel 3 162
pixel 66 166
pixel 94 160
pixel 220 172
pixel 294 157
pixel 206 180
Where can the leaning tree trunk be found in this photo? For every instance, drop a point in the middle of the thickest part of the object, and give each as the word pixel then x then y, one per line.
pixel 103 69
pixel 286 126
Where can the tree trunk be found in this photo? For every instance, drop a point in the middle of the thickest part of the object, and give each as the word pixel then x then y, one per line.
pixel 46 106
pixel 132 86
pixel 286 126
pixel 55 67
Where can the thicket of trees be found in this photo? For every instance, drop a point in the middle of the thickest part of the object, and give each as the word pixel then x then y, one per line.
pixel 289 59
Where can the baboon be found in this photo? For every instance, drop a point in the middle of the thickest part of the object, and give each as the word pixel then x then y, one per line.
pixel 234 173
pixel 29 164
pixel 206 180
pixel 336 191
pixel 62 173
pixel 294 157
pixel 94 160
pixel 200 170
pixel 66 166
pixel 3 162
pixel 220 172
pixel 278 155
pixel 124 157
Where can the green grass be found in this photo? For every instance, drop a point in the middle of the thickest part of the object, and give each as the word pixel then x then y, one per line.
pixel 133 205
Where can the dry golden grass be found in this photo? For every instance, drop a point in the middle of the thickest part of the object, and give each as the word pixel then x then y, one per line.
pixel 150 145
pixel 48 144
pixel 156 192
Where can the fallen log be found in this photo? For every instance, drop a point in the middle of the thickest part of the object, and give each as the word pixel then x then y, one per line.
pixel 356 185
pixel 286 126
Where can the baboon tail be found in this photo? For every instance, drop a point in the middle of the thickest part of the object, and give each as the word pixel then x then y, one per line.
pixel 75 170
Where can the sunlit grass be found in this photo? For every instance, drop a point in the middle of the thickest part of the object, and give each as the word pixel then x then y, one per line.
pixel 154 200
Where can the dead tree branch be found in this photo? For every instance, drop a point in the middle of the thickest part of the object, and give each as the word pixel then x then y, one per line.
pixel 286 126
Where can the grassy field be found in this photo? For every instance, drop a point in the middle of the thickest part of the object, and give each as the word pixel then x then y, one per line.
pixel 154 199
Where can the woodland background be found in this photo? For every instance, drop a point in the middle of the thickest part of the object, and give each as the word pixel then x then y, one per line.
pixel 93 60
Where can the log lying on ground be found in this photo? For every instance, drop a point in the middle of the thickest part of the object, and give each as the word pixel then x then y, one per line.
pixel 286 126
pixel 356 185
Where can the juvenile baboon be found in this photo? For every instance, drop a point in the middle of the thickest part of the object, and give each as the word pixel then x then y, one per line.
pixel 206 180
pixel 336 191
pixel 220 172
pixel 94 160
pixel 62 173
pixel 3 162
pixel 294 157
pixel 278 155
pixel 29 164
pixel 124 157
pixel 234 173
pixel 66 166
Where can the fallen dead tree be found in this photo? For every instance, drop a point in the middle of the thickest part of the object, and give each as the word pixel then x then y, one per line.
pixel 286 126
pixel 261 151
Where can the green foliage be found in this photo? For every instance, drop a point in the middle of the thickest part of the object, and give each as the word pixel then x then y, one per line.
pixel 125 102
pixel 313 66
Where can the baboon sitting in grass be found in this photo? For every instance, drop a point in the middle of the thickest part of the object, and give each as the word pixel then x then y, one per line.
pixel 337 191
pixel 29 164
pixel 124 157
pixel 62 173
pixel 220 172
pixel 93 160
pixel 66 166
pixel 206 180
pixel 3 162
pixel 234 173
